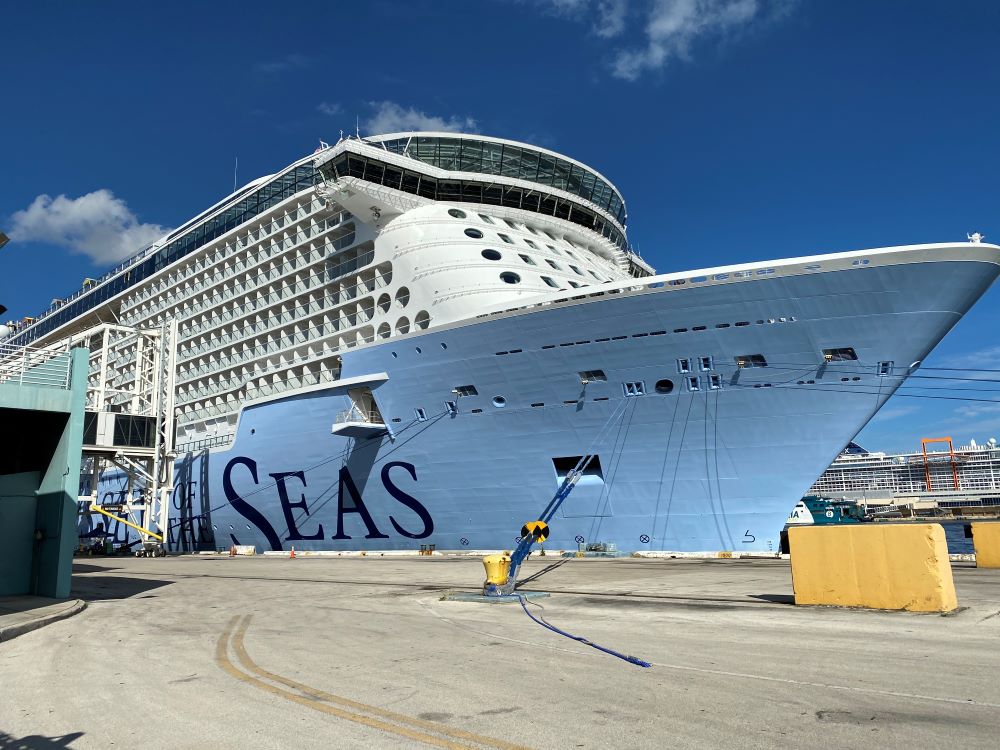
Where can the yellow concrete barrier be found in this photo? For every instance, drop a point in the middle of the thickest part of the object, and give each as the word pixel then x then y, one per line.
pixel 881 566
pixel 986 540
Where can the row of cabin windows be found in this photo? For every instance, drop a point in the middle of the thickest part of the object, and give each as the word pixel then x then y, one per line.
pixel 247 207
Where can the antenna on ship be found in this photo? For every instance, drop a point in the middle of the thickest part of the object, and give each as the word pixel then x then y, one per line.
pixel 975 238
pixel 236 166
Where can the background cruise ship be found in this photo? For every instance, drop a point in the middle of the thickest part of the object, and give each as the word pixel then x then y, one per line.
pixel 413 338
pixel 964 475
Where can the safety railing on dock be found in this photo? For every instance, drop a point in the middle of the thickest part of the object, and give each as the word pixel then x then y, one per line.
pixel 23 365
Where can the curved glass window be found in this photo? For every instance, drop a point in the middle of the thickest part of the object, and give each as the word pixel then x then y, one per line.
pixel 457 213
pixel 509 160
pixel 490 194
pixel 491 254
pixel 473 233
pixel 510 277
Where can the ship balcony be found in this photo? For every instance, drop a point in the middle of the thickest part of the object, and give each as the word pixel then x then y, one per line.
pixel 359 423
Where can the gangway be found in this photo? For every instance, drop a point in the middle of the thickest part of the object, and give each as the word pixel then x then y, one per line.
pixel 129 427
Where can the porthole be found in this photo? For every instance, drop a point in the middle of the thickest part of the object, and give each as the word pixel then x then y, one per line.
pixel 458 214
pixel 491 255
pixel 499 402
pixel 444 345
pixel 384 301
pixel 510 277
pixel 473 233
pixel 422 320
pixel 403 325
pixel 419 350
pixel 384 331
pixel 402 296
pixel 664 386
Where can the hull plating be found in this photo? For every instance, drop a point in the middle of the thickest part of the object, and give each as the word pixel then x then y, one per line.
pixel 715 468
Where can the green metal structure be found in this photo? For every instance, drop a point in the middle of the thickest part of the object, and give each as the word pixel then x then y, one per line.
pixel 42 401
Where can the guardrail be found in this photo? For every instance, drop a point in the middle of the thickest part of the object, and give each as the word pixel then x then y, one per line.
pixel 354 414
pixel 23 365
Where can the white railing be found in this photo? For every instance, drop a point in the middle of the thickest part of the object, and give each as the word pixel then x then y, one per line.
pixel 356 414
pixel 23 365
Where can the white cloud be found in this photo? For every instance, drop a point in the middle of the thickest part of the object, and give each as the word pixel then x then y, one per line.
pixel 982 358
pixel 610 18
pixel 895 412
pixel 976 410
pixel 607 16
pixel 389 117
pixel 330 109
pixel 674 25
pixel 665 30
pixel 97 224
pixel 286 63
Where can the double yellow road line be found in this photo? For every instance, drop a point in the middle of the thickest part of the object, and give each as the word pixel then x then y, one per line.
pixel 420 730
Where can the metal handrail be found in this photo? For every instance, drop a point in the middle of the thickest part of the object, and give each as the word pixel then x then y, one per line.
pixel 357 414
pixel 24 365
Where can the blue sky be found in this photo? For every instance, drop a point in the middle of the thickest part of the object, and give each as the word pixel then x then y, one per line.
pixel 737 130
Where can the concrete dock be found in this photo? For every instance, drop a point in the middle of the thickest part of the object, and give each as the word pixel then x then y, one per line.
pixel 221 652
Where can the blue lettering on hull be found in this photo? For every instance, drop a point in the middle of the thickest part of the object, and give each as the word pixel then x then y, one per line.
pixel 350 501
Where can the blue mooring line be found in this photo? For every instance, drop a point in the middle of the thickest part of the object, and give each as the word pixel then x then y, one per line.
pixel 624 657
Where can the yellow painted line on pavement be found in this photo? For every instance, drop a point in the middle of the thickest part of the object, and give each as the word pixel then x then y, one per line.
pixel 319 700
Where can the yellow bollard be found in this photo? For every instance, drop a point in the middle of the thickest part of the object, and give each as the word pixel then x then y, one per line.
pixel 497 569
pixel 880 566
pixel 986 540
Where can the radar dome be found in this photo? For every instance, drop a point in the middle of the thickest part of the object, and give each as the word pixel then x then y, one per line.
pixel 4 330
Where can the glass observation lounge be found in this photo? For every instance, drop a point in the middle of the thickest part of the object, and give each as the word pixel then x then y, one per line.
pixel 491 158
pixel 510 160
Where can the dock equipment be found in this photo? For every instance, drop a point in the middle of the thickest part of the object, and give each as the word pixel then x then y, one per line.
pixel 129 429
pixel 878 566
pixel 502 582
pixel 951 460
pixel 503 579
pixel 986 540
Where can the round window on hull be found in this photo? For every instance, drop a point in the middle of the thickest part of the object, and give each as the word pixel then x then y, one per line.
pixel 510 277
pixel 491 255
pixel 457 213
pixel 403 325
pixel 422 320
pixel 473 233
pixel 402 296
pixel 664 386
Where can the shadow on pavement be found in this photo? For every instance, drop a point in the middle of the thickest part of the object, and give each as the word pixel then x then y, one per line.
pixel 775 598
pixel 79 567
pixel 37 741
pixel 98 588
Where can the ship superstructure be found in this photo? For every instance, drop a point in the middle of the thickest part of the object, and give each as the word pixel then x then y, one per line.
pixel 967 471
pixel 413 337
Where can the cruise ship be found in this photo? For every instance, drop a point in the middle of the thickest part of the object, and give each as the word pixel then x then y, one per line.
pixel 412 339
pixel 965 475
